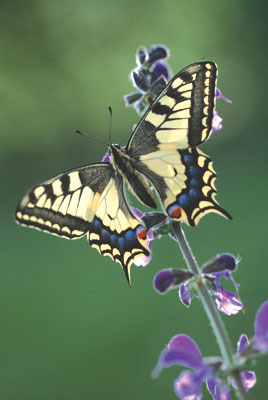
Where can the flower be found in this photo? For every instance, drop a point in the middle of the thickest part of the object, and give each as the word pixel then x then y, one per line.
pixel 220 266
pixel 182 350
pixel 261 329
pixel 169 279
pixel 217 120
pixel 248 377
pixel 227 302
pixel 149 77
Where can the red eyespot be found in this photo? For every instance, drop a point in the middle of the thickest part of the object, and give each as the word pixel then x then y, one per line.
pixel 141 233
pixel 174 211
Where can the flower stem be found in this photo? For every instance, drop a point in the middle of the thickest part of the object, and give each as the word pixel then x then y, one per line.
pixel 214 317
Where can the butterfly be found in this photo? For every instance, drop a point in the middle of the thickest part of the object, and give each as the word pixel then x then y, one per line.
pixel 159 163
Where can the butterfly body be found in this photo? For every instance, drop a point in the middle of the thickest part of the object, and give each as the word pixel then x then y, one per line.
pixel 160 164
pixel 127 167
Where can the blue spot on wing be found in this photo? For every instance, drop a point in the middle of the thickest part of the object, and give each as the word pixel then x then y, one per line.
pixel 130 236
pixel 105 235
pixel 96 225
pixel 113 240
pixel 121 243
pixel 188 159
pixel 194 194
pixel 183 200
pixel 195 171
pixel 194 182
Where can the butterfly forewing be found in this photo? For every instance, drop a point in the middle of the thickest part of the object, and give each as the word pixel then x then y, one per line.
pixel 181 116
pixel 66 204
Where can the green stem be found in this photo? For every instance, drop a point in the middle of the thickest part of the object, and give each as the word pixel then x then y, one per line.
pixel 214 317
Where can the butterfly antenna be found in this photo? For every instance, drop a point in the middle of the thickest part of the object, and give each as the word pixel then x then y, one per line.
pixel 110 128
pixel 92 138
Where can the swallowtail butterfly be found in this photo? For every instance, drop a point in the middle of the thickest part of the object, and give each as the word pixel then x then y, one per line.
pixel 160 158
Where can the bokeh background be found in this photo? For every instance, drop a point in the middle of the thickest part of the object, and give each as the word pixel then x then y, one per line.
pixel 71 328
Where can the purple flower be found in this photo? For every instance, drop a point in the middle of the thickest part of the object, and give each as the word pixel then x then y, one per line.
pixel 220 266
pixel 149 77
pixel 222 262
pixel 216 389
pixel 227 302
pixel 248 377
pixel 185 294
pixel 160 69
pixel 261 329
pixel 216 122
pixel 170 278
pixel 182 350
pixel 157 52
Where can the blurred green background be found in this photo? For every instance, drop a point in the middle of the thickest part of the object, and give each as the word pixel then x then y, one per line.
pixel 71 328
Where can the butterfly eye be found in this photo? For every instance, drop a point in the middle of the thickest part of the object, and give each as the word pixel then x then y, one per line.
pixel 174 211
pixel 141 232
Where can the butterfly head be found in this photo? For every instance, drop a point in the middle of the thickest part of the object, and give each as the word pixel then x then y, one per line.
pixel 119 159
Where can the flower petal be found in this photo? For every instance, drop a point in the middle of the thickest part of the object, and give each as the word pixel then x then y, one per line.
pixel 141 55
pixel 242 343
pixel 220 263
pixel 181 350
pixel 184 351
pixel 248 379
pixel 132 98
pixel 223 393
pixel 139 80
pixel 188 386
pixel 185 295
pixel 156 52
pixel 216 122
pixel 212 385
pixel 106 157
pixel 160 69
pixel 164 280
pixel 261 328
pixel 227 302
pixel 170 278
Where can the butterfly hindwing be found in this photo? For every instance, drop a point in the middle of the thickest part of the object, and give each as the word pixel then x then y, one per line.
pixel 181 116
pixel 184 181
pixel 115 231
pixel 88 200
